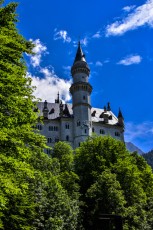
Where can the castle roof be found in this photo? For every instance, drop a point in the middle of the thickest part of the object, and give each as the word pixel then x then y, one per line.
pixel 97 114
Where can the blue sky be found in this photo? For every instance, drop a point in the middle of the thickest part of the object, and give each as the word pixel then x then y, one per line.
pixel 116 37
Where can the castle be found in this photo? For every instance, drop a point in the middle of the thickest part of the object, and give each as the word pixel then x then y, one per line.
pixel 75 122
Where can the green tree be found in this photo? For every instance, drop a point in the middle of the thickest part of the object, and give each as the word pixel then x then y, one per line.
pixel 149 158
pixel 114 181
pixel 31 192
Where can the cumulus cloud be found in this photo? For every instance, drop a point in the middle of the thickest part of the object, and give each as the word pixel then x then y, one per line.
pixel 49 85
pixel 63 35
pixel 39 50
pixel 99 63
pixel 130 60
pixel 140 134
pixel 140 16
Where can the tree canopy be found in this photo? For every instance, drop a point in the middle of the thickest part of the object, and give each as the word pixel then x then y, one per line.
pixel 114 181
pixel 32 193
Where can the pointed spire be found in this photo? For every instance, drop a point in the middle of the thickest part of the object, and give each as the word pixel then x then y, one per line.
pixel 120 118
pixel 79 55
pixel 120 114
pixel 45 104
pixel 57 100
pixel 108 106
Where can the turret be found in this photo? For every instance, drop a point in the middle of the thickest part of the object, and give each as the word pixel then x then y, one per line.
pixel 45 110
pixel 81 90
pixel 57 100
pixel 120 118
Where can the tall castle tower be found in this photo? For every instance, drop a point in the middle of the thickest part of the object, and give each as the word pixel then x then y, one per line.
pixel 81 90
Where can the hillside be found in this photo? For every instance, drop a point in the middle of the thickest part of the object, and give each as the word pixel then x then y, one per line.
pixel 149 158
pixel 131 147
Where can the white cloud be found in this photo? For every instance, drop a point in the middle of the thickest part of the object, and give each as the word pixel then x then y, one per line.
pixel 48 86
pixel 128 8
pixel 130 60
pixel 98 63
pixel 97 35
pixel 39 50
pixel 67 67
pixel 140 134
pixel 84 41
pixel 142 15
pixel 63 35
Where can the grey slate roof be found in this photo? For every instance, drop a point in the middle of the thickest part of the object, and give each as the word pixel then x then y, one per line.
pixel 54 112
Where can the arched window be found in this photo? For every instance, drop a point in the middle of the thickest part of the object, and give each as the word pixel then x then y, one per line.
pixel 39 127
pixel 67 126
pixel 78 123
pixel 50 128
pixel 93 129
pixel 55 128
pixel 117 134
pixel 48 151
pixel 67 138
pixel 85 131
pixel 49 140
pixel 102 131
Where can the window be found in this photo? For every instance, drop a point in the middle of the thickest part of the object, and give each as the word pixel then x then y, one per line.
pixel 50 128
pixel 102 131
pixel 93 129
pixel 93 113
pixel 84 97
pixel 39 127
pixel 67 126
pixel 117 134
pixel 78 123
pixel 52 111
pixel 53 128
pixel 85 131
pixel 49 140
pixel 48 151
pixel 67 138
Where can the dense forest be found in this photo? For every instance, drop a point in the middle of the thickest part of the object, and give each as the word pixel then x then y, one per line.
pixel 70 189
pixel 149 158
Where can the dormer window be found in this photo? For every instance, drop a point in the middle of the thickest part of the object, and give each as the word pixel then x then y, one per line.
pixel 110 117
pixel 93 113
pixel 52 111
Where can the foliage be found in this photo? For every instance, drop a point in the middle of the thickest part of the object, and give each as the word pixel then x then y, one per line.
pixel 149 158
pixel 113 181
pixel 31 191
